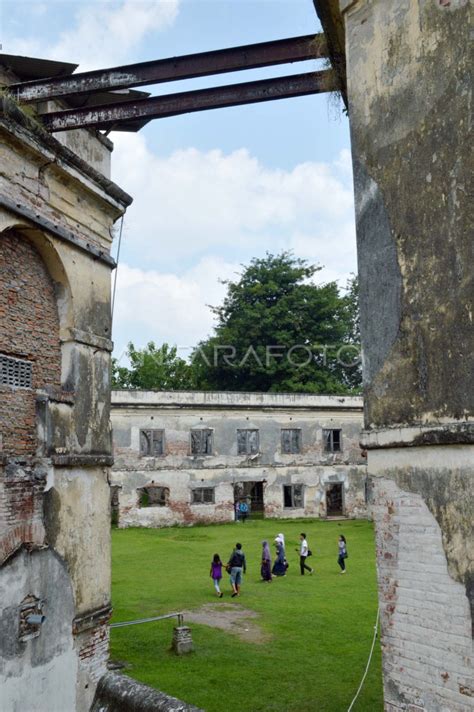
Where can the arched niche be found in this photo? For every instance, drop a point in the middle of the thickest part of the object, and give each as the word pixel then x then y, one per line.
pixel 35 305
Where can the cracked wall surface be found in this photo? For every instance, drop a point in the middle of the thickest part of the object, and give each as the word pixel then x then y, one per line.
pixel 410 92
pixel 56 215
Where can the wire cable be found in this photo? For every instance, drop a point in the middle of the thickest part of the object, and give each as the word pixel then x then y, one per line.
pixel 368 662
pixel 116 270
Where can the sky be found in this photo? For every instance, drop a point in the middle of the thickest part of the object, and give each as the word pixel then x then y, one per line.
pixel 213 189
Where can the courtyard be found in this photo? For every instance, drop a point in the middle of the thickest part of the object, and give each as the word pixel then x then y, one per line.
pixel 295 644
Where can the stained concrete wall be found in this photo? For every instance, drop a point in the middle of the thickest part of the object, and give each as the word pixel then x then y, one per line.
pixel 224 413
pixel 47 664
pixel 409 89
pixel 57 206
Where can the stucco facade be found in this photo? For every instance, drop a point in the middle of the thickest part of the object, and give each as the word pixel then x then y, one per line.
pixel 248 434
pixel 57 209
pixel 409 87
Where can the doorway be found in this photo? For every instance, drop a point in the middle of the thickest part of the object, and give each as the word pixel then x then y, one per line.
pixel 252 492
pixel 334 500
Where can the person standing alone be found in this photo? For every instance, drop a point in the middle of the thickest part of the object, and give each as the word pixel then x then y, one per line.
pixel 304 553
pixel 342 553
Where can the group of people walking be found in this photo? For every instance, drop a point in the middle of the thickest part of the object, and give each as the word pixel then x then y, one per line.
pixel 237 564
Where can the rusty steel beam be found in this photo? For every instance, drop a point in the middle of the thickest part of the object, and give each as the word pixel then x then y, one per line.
pixel 264 54
pixel 111 116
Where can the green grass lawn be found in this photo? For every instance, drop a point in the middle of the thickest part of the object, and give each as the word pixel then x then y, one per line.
pixel 319 628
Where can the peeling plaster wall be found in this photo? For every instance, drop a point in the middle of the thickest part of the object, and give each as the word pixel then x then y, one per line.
pixel 410 91
pixel 60 212
pixel 178 413
pixel 37 674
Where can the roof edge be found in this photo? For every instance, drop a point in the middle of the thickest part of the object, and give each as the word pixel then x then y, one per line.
pixel 10 111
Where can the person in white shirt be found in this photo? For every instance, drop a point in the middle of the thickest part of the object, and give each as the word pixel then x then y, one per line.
pixel 304 553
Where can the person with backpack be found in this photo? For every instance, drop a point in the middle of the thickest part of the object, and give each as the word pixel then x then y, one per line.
pixel 236 567
pixel 341 560
pixel 304 553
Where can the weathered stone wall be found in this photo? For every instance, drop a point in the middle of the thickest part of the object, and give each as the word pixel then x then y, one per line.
pixel 118 693
pixel 224 414
pixel 56 215
pixel 410 89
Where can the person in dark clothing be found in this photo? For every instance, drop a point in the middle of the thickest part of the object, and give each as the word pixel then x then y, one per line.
pixel 341 560
pixel 237 566
pixel 266 567
pixel 280 566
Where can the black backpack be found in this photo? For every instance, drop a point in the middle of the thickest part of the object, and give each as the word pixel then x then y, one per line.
pixel 237 559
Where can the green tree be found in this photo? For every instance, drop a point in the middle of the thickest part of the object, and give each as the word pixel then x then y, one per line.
pixel 278 331
pixel 153 368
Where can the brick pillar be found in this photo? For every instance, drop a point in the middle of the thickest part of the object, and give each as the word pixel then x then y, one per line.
pixel 409 90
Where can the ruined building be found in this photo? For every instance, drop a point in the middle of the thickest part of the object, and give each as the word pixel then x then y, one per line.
pixel 57 208
pixel 187 457
pixel 402 68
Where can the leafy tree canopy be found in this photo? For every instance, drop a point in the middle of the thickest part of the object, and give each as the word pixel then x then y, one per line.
pixel 278 331
pixel 158 368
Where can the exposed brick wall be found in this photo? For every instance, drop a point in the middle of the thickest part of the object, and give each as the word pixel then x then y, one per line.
pixel 94 651
pixel 428 655
pixel 29 328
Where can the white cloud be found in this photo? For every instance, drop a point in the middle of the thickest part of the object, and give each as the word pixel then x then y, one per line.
pixel 213 211
pixel 104 33
pixel 159 306
pixel 191 202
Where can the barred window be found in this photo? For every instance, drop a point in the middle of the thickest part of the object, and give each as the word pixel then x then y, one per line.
pixel 201 442
pixel 15 372
pixel 248 442
pixel 332 438
pixel 203 495
pixel 291 441
pixel 293 496
pixel 152 443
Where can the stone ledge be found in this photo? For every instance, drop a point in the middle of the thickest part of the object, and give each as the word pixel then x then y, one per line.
pixel 100 616
pixel 87 338
pixel 78 460
pixel 418 436
pixel 117 693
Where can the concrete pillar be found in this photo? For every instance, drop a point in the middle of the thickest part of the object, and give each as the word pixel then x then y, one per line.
pixel 182 640
pixel 409 90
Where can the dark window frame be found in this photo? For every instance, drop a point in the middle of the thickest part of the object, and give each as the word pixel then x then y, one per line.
pixel 204 449
pixel 246 442
pixel 296 499
pixel 145 501
pixel 202 499
pixel 150 434
pixel 332 444
pixel 295 441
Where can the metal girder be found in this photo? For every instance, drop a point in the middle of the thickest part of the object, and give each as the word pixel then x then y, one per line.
pixel 264 54
pixel 111 116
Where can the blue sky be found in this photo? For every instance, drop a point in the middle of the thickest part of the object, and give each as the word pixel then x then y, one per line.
pixel 212 189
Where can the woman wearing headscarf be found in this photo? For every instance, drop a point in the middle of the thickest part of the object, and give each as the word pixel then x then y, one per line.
pixel 280 537
pixel 266 568
pixel 280 566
